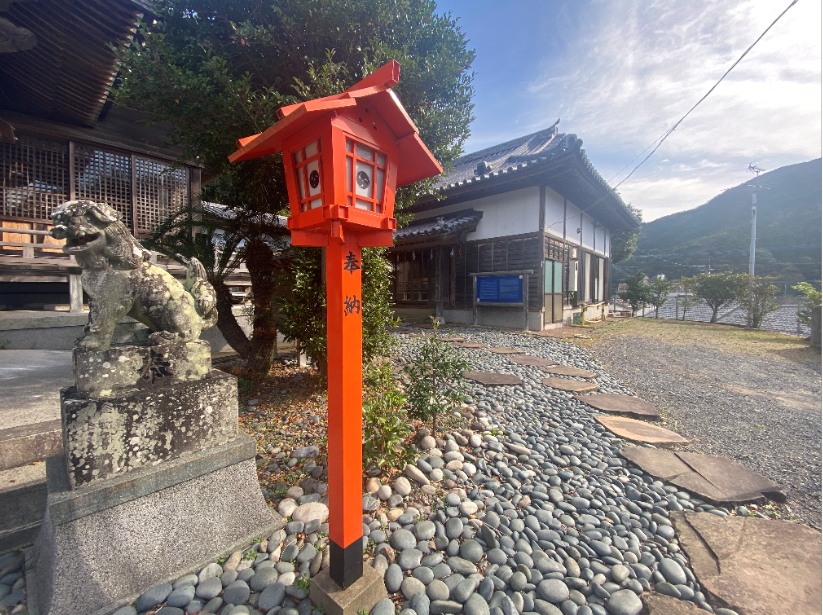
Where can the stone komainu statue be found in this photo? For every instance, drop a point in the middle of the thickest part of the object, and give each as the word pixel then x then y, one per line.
pixel 120 281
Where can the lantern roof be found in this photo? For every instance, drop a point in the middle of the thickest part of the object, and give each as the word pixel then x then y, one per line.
pixel 416 161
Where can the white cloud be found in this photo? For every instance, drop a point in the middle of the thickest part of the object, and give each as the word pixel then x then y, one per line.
pixel 637 67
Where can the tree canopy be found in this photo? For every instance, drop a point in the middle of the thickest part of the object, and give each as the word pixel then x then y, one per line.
pixel 217 70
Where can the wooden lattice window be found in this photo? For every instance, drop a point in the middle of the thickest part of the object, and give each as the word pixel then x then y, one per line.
pixel 365 176
pixel 103 177
pixel 34 178
pixel 309 182
pixel 160 190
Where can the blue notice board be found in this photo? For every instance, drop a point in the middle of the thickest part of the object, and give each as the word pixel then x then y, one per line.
pixel 500 289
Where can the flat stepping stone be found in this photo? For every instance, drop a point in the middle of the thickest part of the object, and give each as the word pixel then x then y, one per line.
pixel 452 339
pixel 621 404
pixel 716 479
pixel 756 566
pixel 640 431
pixel 661 604
pixel 574 386
pixel 498 350
pixel 492 378
pixel 567 370
pixel 469 345
pixel 530 360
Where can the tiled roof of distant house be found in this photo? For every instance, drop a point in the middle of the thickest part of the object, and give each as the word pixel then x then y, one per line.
pixel 530 155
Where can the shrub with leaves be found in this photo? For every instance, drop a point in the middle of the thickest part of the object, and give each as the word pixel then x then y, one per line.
pixel 811 299
pixel 759 300
pixel 437 384
pixel 720 289
pixel 638 291
pixel 659 289
pixel 385 424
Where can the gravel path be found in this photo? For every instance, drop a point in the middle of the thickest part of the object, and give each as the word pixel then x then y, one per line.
pixel 531 511
pixel 761 411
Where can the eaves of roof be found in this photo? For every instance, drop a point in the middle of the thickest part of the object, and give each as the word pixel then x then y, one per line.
pixel 439 227
pixel 560 157
pixel 67 75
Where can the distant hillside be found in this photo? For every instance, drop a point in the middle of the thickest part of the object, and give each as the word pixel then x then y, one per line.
pixel 788 231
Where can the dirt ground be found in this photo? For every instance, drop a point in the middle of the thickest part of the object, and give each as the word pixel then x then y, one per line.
pixel 754 396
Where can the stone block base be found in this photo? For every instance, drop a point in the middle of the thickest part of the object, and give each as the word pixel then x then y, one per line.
pixel 362 595
pixel 103 545
pixel 109 436
pixel 102 373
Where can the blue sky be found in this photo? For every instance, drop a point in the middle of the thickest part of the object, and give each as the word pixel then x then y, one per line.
pixel 618 73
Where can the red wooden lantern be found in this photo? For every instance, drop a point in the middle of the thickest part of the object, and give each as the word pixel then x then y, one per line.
pixel 344 157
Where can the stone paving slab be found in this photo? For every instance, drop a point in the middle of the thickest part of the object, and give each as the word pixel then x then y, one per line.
pixel 660 604
pixel 452 339
pixel 500 350
pixel 574 386
pixel 716 479
pixel 756 566
pixel 468 345
pixel 31 381
pixel 493 378
pixel 567 370
pixel 621 404
pixel 640 431
pixel 530 360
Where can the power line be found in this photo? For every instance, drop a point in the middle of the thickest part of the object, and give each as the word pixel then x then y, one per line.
pixel 705 96
pixel 659 140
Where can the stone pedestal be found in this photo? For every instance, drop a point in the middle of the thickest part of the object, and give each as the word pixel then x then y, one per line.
pixel 360 596
pixel 154 482
pixel 104 544
pixel 103 373
pixel 135 428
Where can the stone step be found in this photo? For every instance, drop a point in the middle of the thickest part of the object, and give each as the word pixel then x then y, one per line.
pixel 22 505
pixel 25 444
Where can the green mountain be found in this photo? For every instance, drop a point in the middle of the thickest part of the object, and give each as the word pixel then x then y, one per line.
pixel 717 233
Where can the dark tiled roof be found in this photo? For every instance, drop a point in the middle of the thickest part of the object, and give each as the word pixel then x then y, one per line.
pixel 527 153
pixel 439 225
pixel 505 157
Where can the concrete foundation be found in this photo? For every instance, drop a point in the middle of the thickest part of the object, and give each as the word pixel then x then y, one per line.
pixel 495 317
pixel 102 545
pixel 361 596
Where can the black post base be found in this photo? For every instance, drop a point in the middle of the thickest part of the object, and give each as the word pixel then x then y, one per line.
pixel 346 564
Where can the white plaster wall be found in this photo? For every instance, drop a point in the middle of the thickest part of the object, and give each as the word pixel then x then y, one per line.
pixel 554 213
pixel 600 240
pixel 588 231
pixel 608 243
pixel 572 223
pixel 512 213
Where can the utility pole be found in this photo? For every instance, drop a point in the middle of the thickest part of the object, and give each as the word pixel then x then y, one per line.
pixel 753 168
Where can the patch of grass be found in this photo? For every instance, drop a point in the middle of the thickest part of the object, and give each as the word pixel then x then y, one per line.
pixel 302 582
pixel 726 338
pixel 245 386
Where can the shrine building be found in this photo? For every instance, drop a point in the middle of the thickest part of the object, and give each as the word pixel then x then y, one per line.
pixel 518 232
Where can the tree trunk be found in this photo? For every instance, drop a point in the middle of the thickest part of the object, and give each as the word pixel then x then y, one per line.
pixel 714 314
pixel 656 312
pixel 261 265
pixel 227 321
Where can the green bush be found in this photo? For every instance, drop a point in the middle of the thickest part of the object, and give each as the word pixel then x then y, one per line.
pixel 812 299
pixel 760 300
pixel 385 423
pixel 437 384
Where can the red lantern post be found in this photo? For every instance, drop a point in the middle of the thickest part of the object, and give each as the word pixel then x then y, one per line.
pixel 344 157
